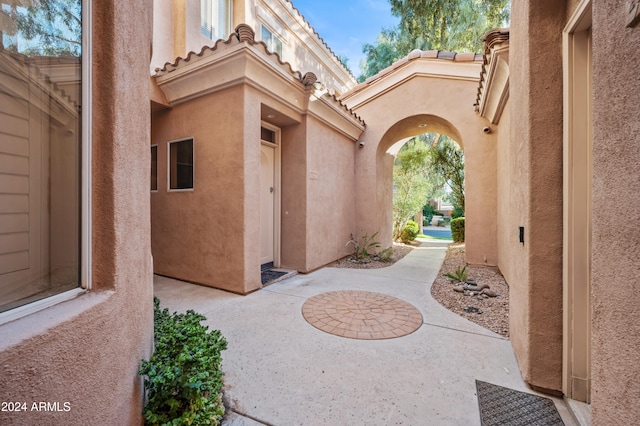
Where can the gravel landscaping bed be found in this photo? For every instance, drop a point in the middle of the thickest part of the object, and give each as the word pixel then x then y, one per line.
pixel 492 312
pixel 399 251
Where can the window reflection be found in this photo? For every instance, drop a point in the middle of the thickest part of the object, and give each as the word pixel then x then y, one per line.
pixel 40 146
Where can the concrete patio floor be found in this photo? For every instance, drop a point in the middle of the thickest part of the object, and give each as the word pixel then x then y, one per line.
pixel 280 370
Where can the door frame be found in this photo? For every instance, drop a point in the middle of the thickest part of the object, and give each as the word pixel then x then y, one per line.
pixel 277 201
pixel 577 205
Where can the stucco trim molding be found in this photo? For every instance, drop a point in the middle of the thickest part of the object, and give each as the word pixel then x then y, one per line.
pixel 407 69
pixel 240 60
pixel 326 110
pixel 493 90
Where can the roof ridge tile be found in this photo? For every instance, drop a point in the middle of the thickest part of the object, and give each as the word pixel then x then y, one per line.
pixel 417 54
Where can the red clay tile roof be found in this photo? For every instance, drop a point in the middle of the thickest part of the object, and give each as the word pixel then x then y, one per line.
pixel 415 54
pixel 244 33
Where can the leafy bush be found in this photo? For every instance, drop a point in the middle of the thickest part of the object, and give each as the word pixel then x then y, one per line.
pixel 457 229
pixel 410 231
pixel 183 377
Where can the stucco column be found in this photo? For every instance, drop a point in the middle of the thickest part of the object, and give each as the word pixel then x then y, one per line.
pixel 536 190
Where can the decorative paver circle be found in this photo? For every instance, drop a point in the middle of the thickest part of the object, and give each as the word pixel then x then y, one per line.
pixel 361 315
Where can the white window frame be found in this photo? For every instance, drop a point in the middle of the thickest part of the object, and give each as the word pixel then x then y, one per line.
pixel 193 169
pixel 85 192
pixel 273 35
pixel 156 147
pixel 215 35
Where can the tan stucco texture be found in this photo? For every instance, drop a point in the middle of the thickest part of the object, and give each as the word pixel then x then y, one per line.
pixel 615 237
pixel 418 99
pixel 535 185
pixel 198 234
pixel 210 235
pixel 87 351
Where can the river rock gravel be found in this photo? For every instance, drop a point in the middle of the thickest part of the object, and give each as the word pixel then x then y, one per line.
pixel 491 312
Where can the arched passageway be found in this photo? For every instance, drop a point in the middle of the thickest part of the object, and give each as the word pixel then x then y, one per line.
pixel 422 94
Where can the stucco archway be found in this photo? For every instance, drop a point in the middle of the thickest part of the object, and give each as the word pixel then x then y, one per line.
pixel 426 92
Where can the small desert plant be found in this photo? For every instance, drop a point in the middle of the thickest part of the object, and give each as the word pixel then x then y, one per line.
pixel 459 275
pixel 183 378
pixel 365 247
pixel 385 255
pixel 457 230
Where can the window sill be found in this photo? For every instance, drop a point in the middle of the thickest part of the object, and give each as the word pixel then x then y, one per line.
pixel 21 324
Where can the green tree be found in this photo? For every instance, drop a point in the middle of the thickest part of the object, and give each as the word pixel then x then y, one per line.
pixel 446 159
pixel 46 28
pixel 450 25
pixel 385 51
pixel 412 182
pixel 345 61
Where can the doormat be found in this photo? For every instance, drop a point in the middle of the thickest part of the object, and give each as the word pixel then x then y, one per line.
pixel 270 275
pixel 501 406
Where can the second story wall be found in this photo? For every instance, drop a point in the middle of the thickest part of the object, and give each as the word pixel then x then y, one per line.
pixel 182 26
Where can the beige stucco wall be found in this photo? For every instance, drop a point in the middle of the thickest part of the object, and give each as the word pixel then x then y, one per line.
pixel 536 136
pixel 163 33
pixel 211 235
pixel 330 194
pixel 615 237
pixel 199 235
pixel 294 196
pixel 301 47
pixel 177 32
pixel 87 351
pixel 507 228
pixel 443 105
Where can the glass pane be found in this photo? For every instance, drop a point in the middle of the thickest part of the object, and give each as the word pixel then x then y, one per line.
pixel 206 25
pixel 154 168
pixel 40 147
pixel 224 18
pixel 277 46
pixel 181 164
pixel 268 135
pixel 265 35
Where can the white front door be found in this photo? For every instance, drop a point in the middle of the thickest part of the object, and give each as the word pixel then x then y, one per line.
pixel 267 203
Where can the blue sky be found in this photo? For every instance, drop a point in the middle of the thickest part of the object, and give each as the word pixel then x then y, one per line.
pixel 346 25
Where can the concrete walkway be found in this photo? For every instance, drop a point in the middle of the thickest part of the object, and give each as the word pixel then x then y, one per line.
pixel 279 370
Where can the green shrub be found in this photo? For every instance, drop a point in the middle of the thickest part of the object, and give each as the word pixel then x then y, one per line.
pixel 457 229
pixel 183 377
pixel 457 212
pixel 410 231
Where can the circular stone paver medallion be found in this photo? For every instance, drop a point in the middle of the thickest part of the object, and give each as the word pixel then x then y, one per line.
pixel 361 315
